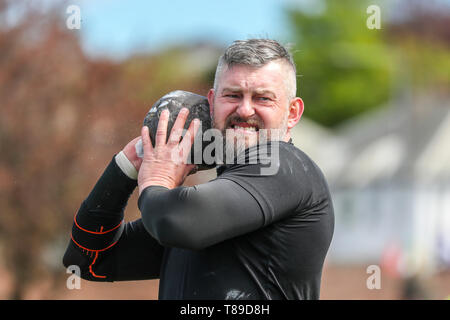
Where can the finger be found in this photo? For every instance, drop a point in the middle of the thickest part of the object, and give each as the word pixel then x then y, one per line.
pixel 194 170
pixel 188 139
pixel 161 131
pixel 138 148
pixel 189 170
pixel 146 143
pixel 131 146
pixel 178 126
pixel 134 141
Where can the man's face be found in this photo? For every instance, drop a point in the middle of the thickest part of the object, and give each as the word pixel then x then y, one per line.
pixel 249 99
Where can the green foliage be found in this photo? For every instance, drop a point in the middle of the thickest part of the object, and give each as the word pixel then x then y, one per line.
pixel 344 67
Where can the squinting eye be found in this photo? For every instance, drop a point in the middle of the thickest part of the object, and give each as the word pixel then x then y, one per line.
pixel 263 98
pixel 234 96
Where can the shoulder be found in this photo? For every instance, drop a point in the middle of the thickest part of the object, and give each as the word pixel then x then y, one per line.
pixel 276 164
pixel 294 161
pixel 308 173
pixel 276 158
pixel 282 180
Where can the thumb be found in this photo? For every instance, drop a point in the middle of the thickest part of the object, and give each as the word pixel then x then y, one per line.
pixel 146 143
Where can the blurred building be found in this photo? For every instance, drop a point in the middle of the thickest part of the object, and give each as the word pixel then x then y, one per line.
pixel 389 172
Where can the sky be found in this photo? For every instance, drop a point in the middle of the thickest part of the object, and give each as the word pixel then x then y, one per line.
pixel 117 28
pixel 120 28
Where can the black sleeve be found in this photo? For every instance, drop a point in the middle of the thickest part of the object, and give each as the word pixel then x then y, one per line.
pixel 241 200
pixel 102 244
pixel 200 216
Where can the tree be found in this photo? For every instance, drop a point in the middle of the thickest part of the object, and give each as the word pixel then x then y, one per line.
pixel 62 119
pixel 344 67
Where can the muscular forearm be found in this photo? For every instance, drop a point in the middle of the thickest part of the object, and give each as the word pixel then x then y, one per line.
pixel 98 223
pixel 135 256
pixel 200 216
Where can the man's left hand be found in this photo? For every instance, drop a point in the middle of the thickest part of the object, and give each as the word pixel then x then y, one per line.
pixel 166 163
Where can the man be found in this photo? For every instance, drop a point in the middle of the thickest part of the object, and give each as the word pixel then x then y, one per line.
pixel 243 235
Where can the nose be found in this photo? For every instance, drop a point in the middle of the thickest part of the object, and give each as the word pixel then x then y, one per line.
pixel 245 108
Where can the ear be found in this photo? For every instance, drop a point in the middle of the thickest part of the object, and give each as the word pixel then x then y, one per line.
pixel 296 108
pixel 211 101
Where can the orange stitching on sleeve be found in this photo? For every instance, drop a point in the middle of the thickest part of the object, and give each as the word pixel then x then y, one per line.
pixel 90 267
pixel 95 232
pixel 92 250
pixel 96 255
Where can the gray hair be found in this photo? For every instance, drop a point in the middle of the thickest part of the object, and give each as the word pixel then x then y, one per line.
pixel 257 53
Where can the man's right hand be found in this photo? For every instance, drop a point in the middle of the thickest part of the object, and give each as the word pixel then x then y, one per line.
pixel 130 152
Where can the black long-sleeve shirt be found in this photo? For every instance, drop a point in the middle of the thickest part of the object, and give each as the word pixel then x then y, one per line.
pixel 243 235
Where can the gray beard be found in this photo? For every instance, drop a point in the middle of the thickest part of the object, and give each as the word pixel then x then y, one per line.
pixel 235 145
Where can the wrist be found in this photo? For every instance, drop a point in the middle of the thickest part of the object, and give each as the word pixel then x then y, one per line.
pixel 155 182
pixel 126 165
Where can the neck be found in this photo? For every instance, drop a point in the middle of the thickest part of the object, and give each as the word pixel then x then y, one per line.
pixel 287 136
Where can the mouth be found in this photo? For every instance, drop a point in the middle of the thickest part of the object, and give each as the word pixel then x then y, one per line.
pixel 245 127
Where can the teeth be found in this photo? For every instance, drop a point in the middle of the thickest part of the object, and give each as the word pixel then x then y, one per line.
pixel 245 128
